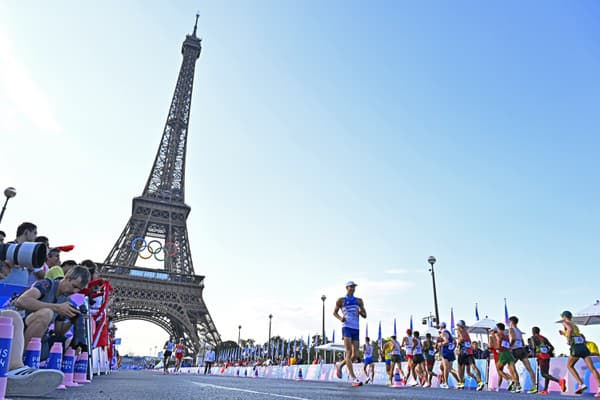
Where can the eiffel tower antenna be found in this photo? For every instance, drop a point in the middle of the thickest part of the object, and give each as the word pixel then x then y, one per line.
pixel 170 296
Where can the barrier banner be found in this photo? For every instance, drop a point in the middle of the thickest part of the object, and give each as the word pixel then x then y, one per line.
pixel 326 372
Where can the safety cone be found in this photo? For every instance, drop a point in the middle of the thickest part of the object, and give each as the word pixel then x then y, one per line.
pixel 299 378
pixel 237 373
pixel 246 372
pixel 256 372
pixel 397 381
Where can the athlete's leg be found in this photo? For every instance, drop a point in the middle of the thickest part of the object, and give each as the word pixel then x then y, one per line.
pixel 590 364
pixel 571 367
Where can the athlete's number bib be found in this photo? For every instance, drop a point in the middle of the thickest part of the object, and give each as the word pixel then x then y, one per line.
pixel 432 352
pixel 451 346
pixel 506 344
pixel 467 345
pixel 518 343
pixel 578 340
pixel 544 349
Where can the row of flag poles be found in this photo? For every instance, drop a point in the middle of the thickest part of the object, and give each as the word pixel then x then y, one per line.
pixel 278 349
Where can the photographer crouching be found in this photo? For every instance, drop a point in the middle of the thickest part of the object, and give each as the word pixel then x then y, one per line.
pixel 47 301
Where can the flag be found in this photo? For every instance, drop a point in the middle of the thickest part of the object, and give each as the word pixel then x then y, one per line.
pixel 505 313
pixel 367 330
pixel 301 348
pixel 333 337
pixel 411 324
pixel 395 327
pixel 452 320
pixel 379 338
pixel 476 312
pixel 308 342
pixel 288 348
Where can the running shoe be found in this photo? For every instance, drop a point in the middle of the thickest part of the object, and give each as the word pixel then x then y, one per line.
pixel 533 390
pixel 597 395
pixel 511 386
pixel 563 385
pixel 368 381
pixel 338 371
pixel 426 385
pixel 356 382
pixel 517 389
pixel 480 386
pixel 460 385
pixel 444 386
pixel 414 384
pixel 581 389
pixel 543 392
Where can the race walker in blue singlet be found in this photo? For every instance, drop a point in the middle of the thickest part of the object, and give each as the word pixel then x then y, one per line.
pixel 352 309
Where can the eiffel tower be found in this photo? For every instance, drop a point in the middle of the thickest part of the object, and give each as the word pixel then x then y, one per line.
pixel 170 297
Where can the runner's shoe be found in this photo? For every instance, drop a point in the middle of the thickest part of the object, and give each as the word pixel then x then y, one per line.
pixel 517 389
pixel 597 395
pixel 444 386
pixel 511 386
pixel 338 371
pixel 543 392
pixel 563 385
pixel 460 385
pixel 480 386
pixel 581 389
pixel 533 390
pixel 368 381
pixel 356 382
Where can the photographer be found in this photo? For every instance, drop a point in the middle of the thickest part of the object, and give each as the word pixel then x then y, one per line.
pixel 49 299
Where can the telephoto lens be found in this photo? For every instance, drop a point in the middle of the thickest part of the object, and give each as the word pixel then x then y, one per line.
pixel 27 254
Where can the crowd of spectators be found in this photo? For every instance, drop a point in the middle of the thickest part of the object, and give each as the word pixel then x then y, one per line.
pixel 46 308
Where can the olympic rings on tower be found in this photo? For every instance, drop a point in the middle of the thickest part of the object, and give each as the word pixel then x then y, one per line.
pixel 154 247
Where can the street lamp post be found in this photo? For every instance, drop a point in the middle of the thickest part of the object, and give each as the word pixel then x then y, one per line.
pixel 269 345
pixel 239 332
pixel 431 260
pixel 9 192
pixel 323 298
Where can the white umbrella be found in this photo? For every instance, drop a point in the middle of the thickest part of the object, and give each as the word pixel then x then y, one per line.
pixel 434 332
pixel 589 315
pixel 482 326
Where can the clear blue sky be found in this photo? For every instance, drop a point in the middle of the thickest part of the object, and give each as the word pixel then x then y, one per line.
pixel 328 142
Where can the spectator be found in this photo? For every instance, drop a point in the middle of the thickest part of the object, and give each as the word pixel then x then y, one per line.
pixel 2 236
pixel 67 265
pixel 16 275
pixel 209 359
pixel 91 266
pixel 477 352
pixel 52 259
pixel 49 299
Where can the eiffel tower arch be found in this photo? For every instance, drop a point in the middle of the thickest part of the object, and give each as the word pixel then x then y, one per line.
pixel 170 297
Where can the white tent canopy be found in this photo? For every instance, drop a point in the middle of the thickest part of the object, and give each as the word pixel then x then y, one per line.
pixel 589 315
pixel 432 331
pixel 331 347
pixel 482 326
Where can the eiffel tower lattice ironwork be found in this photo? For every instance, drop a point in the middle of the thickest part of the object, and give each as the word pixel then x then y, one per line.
pixel 170 297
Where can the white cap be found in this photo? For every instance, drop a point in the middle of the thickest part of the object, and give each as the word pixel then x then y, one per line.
pixel 351 283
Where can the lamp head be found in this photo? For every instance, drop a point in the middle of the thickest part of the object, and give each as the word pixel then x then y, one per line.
pixel 10 192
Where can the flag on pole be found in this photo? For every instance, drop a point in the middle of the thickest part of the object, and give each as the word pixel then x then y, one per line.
pixel 301 348
pixel 395 327
pixel 505 313
pixel 367 330
pixel 288 348
pixel 333 337
pixel 476 312
pixel 411 324
pixel 379 338
pixel 452 320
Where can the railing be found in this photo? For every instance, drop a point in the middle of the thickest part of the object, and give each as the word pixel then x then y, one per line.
pixel 107 271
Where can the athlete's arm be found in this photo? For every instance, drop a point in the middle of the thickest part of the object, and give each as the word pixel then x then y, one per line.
pixel 511 336
pixel 338 305
pixel 361 309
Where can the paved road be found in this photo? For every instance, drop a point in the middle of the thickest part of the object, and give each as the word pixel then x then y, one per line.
pixel 146 385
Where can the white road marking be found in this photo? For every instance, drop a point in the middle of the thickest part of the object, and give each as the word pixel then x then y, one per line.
pixel 249 391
